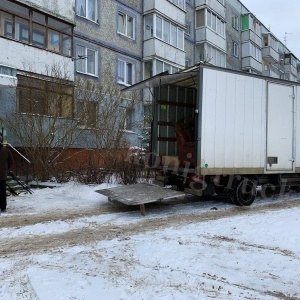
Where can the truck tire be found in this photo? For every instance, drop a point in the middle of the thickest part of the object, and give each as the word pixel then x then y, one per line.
pixel 244 192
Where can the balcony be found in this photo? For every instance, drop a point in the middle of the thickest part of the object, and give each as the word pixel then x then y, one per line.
pixel 216 6
pixel 166 8
pixel 8 77
pixel 205 34
pixel 270 55
pixel 270 73
pixel 249 35
pixel 290 69
pixel 250 63
pixel 22 57
pixel 155 47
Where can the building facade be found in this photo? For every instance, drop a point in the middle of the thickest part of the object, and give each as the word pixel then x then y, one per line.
pixel 131 40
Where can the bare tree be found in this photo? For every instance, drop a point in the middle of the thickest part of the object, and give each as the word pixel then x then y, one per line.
pixel 52 114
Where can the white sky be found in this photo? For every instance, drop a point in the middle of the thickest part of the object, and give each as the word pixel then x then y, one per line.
pixel 280 16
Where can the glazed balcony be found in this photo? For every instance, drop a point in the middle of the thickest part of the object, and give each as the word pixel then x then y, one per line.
pixel 205 34
pixel 270 55
pixel 166 8
pixel 249 35
pixel 216 6
pixel 250 62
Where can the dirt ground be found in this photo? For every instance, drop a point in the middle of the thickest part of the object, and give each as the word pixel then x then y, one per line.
pixel 38 244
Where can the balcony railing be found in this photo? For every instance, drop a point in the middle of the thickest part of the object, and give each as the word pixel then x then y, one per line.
pixel 205 34
pixel 270 55
pixel 155 47
pixel 249 35
pixel 251 63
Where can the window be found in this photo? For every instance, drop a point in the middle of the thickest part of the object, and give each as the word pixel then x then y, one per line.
pixel 166 30
pixel 215 23
pixel 21 30
pixel 36 29
pixel 180 39
pixel 86 60
pixel 249 49
pixel 215 57
pixel 126 118
pixel 173 35
pixel 235 22
pixel 200 18
pixel 39 35
pixel 163 67
pixel 125 72
pixel 87 113
pixel 179 3
pixel 149 26
pixel 43 97
pixel 148 69
pixel 125 24
pixel 158 27
pixel 235 47
pixel 87 9
pixel 245 22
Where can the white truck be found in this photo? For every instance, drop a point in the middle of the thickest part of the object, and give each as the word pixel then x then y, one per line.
pixel 221 131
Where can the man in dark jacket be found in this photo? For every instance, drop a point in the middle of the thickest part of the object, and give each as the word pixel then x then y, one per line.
pixel 6 161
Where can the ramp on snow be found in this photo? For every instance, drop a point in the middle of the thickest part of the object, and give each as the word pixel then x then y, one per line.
pixel 139 194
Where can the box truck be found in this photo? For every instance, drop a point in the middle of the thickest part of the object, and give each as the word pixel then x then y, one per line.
pixel 216 130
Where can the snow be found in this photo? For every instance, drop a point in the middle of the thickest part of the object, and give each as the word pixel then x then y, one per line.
pixel 245 256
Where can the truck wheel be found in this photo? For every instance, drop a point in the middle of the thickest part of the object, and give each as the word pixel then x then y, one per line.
pixel 244 192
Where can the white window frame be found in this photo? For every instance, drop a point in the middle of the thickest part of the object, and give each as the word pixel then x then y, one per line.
pixel 179 3
pixel 82 60
pixel 126 32
pixel 165 67
pixel 85 4
pixel 167 30
pixel 123 78
pixel 215 23
pixel 235 22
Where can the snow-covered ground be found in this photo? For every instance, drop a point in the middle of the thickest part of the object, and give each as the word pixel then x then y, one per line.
pixel 185 250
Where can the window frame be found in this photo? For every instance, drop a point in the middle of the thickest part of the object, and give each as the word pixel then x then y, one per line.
pixel 43 93
pixel 235 22
pixel 91 113
pixel 167 31
pixel 126 33
pixel 86 12
pixel 178 2
pixel 126 64
pixel 46 24
pixel 80 61
pixel 215 22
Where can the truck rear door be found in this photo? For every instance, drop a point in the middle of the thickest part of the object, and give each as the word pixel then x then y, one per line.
pixel 280 127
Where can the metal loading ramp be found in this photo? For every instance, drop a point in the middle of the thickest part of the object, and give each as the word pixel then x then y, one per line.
pixel 139 194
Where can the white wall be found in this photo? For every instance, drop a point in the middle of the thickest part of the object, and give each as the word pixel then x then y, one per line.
pixel 159 49
pixel 27 58
pixel 64 9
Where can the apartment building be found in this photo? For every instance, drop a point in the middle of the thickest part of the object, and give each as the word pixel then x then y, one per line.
pixel 108 43
pixel 132 39
pixel 36 48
